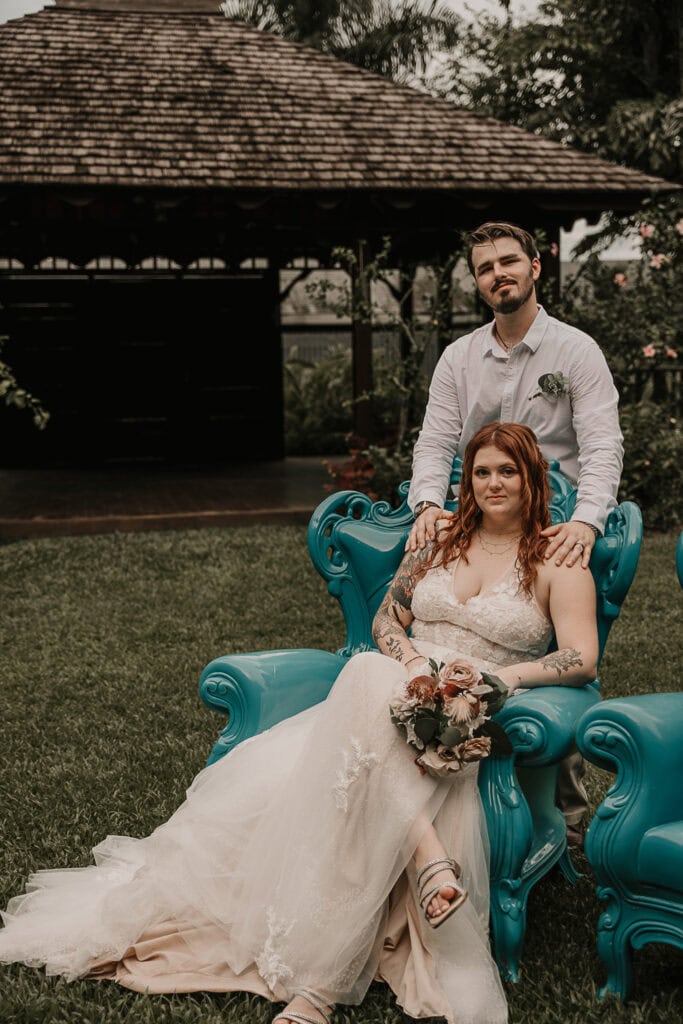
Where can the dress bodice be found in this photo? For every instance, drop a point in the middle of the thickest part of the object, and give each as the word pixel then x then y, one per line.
pixel 501 625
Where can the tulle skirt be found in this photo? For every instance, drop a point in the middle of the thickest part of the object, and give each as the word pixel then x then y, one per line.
pixel 288 866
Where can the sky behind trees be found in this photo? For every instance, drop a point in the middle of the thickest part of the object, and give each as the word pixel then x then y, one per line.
pixel 15 8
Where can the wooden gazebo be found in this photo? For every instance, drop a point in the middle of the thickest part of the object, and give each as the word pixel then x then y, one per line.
pixel 159 166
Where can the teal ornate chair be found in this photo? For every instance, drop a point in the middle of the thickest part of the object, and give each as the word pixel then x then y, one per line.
pixel 635 841
pixel 356 546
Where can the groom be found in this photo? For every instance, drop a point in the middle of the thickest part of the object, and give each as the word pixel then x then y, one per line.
pixel 525 367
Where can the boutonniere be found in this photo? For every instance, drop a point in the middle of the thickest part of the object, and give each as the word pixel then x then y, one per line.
pixel 553 384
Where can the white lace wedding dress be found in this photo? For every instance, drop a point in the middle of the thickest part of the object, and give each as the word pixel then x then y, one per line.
pixel 289 864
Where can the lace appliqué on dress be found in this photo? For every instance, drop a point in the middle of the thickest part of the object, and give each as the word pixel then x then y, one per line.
pixel 270 964
pixel 354 763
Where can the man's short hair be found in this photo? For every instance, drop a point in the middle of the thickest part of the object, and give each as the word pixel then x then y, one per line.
pixel 494 229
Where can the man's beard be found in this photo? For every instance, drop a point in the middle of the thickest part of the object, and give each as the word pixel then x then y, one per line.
pixel 511 305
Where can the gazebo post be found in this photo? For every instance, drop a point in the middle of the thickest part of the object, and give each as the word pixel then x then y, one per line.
pixel 361 341
pixel 550 290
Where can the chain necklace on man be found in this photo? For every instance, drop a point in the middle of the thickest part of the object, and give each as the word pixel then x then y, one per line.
pixel 503 344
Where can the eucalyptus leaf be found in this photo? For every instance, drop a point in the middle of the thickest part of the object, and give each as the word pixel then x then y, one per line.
pixel 426 726
pixel 451 736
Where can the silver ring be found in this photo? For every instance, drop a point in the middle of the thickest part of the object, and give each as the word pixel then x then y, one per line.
pixel 579 545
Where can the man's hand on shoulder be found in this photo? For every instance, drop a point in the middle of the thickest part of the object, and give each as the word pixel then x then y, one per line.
pixel 425 528
pixel 569 543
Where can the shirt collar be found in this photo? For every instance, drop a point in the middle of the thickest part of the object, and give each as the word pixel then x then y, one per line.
pixel 532 339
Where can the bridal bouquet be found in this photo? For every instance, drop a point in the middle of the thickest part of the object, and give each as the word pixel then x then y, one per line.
pixel 447 716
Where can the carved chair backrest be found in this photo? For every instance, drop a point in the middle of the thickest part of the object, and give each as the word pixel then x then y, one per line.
pixel 357 544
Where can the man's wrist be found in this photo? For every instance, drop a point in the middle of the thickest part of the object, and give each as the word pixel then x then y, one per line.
pixel 596 532
pixel 421 506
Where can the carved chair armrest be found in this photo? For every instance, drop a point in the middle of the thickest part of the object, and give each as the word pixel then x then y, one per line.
pixel 640 739
pixel 261 689
pixel 541 722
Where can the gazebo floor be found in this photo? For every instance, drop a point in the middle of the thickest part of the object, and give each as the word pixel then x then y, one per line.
pixel 58 502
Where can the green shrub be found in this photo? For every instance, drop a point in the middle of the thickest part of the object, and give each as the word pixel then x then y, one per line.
pixel 653 464
pixel 13 394
pixel 318 403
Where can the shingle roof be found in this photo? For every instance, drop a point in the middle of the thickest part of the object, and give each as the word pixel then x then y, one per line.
pixel 104 97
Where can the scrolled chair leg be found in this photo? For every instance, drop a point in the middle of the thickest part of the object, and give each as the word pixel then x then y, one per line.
pixel 614 947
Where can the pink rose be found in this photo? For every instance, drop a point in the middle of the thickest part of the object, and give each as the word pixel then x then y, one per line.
pixel 658 260
pixel 554 249
pixel 672 353
pixel 649 351
pixel 647 230
pixel 620 280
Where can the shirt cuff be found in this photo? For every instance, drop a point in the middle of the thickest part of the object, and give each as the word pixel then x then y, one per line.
pixel 591 515
pixel 414 499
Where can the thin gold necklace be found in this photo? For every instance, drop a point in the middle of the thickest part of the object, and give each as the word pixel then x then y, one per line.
pixel 498 549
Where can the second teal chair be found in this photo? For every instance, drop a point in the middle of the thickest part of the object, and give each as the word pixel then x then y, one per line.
pixel 635 841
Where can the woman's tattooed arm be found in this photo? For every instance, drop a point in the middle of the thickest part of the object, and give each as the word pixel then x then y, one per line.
pixel 394 615
pixel 562 661
pixel 570 664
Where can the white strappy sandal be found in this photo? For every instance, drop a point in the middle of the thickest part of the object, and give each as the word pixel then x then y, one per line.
pixel 425 894
pixel 294 1017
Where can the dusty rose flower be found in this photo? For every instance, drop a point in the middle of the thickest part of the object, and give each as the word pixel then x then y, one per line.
pixel 649 351
pixel 554 249
pixel 476 748
pixel 672 353
pixel 658 260
pixel 647 230
pixel 620 280
pixel 462 674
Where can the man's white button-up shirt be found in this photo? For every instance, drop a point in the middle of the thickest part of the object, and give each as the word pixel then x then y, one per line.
pixel 476 382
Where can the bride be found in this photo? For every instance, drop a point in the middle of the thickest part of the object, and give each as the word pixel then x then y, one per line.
pixel 316 857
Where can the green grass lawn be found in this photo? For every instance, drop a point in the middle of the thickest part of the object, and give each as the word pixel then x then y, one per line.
pixel 103 641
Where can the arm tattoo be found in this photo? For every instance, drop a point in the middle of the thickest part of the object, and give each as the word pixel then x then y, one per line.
pixel 388 630
pixel 562 661
pixel 386 619
pixel 403 584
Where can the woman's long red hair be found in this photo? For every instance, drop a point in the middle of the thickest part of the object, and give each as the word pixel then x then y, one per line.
pixel 520 445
